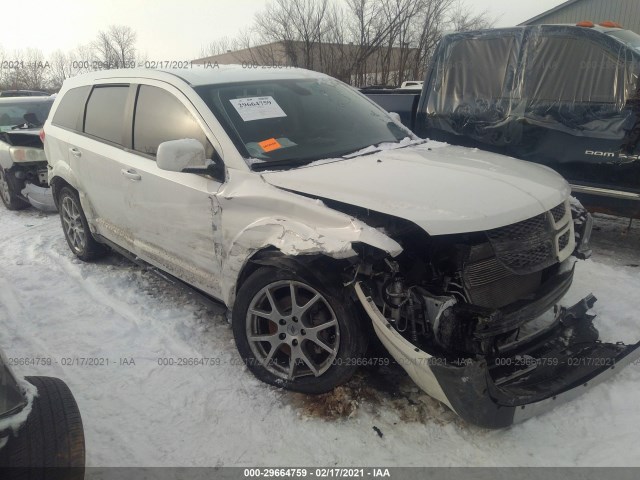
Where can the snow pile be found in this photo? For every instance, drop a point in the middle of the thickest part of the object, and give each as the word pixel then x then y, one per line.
pixel 153 413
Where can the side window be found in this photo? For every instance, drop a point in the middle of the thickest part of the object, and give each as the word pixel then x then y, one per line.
pixel 69 111
pixel 160 117
pixel 478 68
pixel 106 112
pixel 570 70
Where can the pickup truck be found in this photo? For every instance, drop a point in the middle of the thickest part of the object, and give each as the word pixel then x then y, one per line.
pixel 23 165
pixel 565 96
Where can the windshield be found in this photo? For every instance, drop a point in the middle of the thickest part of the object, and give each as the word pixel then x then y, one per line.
pixel 627 37
pixel 297 121
pixel 33 114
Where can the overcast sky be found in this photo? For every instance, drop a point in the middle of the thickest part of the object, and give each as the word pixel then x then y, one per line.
pixel 171 29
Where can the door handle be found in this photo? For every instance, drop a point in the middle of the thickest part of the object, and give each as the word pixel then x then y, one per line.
pixel 131 174
pixel 75 152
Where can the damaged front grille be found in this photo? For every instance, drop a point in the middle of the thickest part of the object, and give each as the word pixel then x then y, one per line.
pixel 526 229
pixel 530 245
pixel 489 284
pixel 563 241
pixel 559 212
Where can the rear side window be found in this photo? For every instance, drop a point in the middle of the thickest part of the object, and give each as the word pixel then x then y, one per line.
pixel 573 70
pixel 106 112
pixel 69 111
pixel 160 117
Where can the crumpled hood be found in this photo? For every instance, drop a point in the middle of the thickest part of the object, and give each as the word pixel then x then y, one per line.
pixel 444 189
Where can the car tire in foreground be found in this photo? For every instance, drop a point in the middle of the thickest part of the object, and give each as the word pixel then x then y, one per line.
pixel 9 188
pixel 296 332
pixel 76 228
pixel 50 444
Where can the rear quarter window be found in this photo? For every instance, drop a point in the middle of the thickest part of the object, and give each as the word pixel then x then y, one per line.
pixel 105 116
pixel 71 107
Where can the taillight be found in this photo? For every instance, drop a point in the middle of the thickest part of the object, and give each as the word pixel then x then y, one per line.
pixel 42 135
pixel 585 23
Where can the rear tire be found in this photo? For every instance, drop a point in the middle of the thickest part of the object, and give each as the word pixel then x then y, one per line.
pixel 52 437
pixel 76 228
pixel 9 191
pixel 321 335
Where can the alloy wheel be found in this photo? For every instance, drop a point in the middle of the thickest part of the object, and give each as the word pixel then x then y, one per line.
pixel 4 187
pixel 292 330
pixel 72 223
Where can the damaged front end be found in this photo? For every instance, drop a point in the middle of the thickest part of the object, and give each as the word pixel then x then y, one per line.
pixel 473 318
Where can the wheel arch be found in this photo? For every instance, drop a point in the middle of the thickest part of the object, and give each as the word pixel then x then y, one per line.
pixel 317 265
pixel 57 184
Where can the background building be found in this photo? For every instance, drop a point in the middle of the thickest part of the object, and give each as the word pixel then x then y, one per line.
pixel 624 12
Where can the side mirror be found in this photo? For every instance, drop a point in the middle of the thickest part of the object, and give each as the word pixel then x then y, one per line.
pixel 176 155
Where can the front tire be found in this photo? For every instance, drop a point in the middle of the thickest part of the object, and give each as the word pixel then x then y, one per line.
pixel 52 436
pixel 9 188
pixel 296 332
pixel 76 228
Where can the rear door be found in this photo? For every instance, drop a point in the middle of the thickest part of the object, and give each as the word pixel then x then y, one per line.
pixel 98 157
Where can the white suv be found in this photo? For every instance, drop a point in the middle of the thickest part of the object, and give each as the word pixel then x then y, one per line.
pixel 318 220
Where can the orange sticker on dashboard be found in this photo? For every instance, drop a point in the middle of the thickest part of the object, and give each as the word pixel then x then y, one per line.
pixel 269 145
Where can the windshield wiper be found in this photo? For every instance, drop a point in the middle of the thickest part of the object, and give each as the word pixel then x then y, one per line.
pixel 377 148
pixel 25 126
pixel 290 162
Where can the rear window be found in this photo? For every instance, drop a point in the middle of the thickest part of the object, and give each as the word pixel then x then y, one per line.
pixel 17 113
pixel 106 111
pixel 69 111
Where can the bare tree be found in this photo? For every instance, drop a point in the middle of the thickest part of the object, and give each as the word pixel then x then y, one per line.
pixel 33 70
pixel 4 73
pixel 462 19
pixel 359 41
pixel 115 47
pixel 216 47
pixel 428 28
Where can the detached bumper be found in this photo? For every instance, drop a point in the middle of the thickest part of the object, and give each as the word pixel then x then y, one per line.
pixel 41 198
pixel 525 379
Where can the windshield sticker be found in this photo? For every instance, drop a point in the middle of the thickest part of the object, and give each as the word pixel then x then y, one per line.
pixel 257 108
pixel 258 149
pixel 269 145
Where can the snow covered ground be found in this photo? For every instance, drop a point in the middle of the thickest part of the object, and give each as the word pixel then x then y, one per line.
pixel 54 306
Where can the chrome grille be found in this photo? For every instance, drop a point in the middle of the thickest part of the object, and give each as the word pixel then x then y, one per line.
pixel 530 245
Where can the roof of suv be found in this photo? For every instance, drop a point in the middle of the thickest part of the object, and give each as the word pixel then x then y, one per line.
pixel 200 74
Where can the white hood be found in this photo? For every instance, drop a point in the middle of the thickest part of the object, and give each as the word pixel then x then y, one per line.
pixel 443 189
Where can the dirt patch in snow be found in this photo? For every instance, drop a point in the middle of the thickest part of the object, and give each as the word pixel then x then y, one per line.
pixel 376 390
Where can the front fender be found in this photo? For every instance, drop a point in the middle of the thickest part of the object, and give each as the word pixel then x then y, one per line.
pixel 293 238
